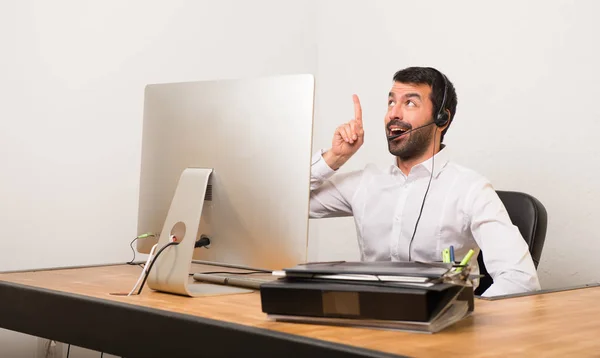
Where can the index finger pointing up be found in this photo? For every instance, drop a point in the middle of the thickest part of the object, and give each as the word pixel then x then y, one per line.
pixel 357 109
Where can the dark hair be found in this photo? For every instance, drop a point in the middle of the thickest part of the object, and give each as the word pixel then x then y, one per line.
pixel 435 80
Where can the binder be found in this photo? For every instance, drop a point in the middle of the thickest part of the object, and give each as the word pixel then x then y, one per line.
pixel 305 294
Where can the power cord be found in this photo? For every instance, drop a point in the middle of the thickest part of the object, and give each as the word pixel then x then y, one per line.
pixel 146 267
pixel 203 242
pixel 144 270
pixel 152 264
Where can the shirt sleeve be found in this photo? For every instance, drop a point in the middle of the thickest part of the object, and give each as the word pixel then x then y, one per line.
pixel 331 195
pixel 506 254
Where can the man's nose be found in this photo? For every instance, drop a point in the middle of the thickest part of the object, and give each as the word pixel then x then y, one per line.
pixel 395 113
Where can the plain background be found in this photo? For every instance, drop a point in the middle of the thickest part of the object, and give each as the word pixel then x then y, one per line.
pixel 72 75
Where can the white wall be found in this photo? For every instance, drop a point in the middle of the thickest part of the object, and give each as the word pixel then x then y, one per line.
pixel 72 79
pixel 72 76
pixel 527 81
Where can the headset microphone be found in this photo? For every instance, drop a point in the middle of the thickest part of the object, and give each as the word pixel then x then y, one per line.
pixel 392 137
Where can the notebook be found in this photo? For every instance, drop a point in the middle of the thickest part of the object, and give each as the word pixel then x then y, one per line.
pixel 381 271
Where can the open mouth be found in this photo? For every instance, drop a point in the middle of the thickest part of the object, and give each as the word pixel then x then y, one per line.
pixel 396 132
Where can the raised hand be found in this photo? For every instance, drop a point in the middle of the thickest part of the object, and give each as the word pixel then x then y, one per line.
pixel 347 139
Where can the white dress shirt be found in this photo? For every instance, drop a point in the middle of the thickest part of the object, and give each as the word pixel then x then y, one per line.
pixel 461 209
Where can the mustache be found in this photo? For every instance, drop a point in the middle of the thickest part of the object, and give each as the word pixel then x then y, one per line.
pixel 399 124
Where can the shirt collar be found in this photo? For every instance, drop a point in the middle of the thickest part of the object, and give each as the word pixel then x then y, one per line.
pixel 438 161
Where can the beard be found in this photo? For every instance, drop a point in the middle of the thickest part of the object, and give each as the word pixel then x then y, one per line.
pixel 412 145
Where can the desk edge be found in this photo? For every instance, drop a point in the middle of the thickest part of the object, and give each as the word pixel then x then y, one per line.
pixel 36 311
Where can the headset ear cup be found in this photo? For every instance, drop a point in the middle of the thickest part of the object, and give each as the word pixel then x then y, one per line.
pixel 441 119
pixel 443 116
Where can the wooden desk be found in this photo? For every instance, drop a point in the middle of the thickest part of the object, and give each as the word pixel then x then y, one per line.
pixel 75 306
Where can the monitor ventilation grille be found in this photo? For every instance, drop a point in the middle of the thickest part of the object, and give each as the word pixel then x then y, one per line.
pixel 208 195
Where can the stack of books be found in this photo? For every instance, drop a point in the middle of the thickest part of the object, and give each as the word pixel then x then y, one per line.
pixel 413 296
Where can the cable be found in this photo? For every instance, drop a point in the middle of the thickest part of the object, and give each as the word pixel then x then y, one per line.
pixel 132 250
pixel 68 350
pixel 204 241
pixel 144 270
pixel 143 236
pixel 152 263
pixel 424 197
pixel 101 354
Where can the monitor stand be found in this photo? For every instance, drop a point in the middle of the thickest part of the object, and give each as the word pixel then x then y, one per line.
pixel 170 272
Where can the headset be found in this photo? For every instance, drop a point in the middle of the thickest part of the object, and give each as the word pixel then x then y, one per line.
pixel 442 117
pixel 440 120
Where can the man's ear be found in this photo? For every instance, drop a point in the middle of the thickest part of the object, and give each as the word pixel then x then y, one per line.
pixel 449 120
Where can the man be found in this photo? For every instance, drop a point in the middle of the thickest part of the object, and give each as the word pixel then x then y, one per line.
pixel 424 202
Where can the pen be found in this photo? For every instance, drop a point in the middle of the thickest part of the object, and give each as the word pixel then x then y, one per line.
pixel 452 254
pixel 465 260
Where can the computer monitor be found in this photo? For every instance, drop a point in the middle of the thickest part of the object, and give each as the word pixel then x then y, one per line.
pixel 256 137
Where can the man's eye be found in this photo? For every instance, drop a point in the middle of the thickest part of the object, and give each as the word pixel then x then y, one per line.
pixel 391 103
pixel 410 104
